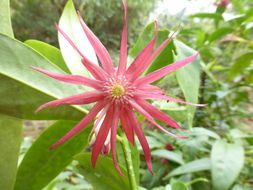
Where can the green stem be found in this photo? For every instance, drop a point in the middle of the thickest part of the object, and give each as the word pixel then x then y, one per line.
pixel 129 162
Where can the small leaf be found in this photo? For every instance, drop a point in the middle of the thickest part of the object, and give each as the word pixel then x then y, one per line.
pixel 193 166
pixel 208 15
pixel 41 165
pixel 177 185
pixel 5 18
pixel 70 24
pixel 103 176
pixel 241 63
pixel 188 78
pixel 199 131
pixel 10 140
pixel 172 156
pixel 227 161
pixel 50 52
pixel 217 34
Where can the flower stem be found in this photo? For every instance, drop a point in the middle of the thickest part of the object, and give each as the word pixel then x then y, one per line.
pixel 129 162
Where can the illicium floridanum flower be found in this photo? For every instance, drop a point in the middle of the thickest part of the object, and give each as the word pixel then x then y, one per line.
pixel 117 93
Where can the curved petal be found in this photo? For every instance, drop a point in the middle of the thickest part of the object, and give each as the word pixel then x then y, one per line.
pixel 143 141
pixel 123 46
pixel 99 48
pixel 158 114
pixel 164 71
pixel 95 70
pixel 140 62
pixel 74 79
pixel 82 124
pixel 151 88
pixel 102 135
pixel 78 99
pixel 145 95
pixel 114 126
pixel 127 125
pixel 138 108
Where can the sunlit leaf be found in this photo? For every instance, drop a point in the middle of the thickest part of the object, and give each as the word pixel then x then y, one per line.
pixel 70 24
pixel 5 18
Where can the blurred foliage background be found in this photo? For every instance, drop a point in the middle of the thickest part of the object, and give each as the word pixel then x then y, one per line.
pixel 34 19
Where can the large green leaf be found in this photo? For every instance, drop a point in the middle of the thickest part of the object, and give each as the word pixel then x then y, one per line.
pixel 10 139
pixel 70 24
pixel 50 52
pixel 164 58
pixel 41 165
pixel 5 18
pixel 226 161
pixel 193 166
pixel 208 15
pixel 103 176
pixel 23 89
pixel 188 78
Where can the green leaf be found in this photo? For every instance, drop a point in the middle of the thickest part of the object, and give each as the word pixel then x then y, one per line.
pixel 5 18
pixel 177 185
pixel 172 156
pixel 10 140
pixel 41 165
pixel 199 131
pixel 208 15
pixel 164 58
pixel 29 88
pixel 227 161
pixel 50 52
pixel 241 63
pixel 217 34
pixel 188 78
pixel 103 176
pixel 193 166
pixel 70 24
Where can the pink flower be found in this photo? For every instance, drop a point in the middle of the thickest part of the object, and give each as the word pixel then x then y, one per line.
pixel 117 93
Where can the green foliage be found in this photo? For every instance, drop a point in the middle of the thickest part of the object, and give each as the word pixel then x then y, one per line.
pixel 40 164
pixel 10 140
pixel 104 176
pixel 5 20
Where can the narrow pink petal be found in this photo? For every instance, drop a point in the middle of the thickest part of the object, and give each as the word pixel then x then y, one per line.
pixel 140 63
pixel 143 141
pixel 114 127
pixel 123 46
pixel 74 79
pixel 156 113
pixel 69 40
pixel 99 48
pixel 78 99
pixel 164 71
pixel 101 137
pixel 138 108
pixel 127 125
pixel 145 95
pixel 82 124
pixel 95 70
pixel 151 88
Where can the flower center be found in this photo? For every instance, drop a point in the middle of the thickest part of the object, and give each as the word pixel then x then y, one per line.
pixel 117 90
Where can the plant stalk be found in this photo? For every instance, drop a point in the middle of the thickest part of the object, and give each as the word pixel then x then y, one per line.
pixel 129 162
